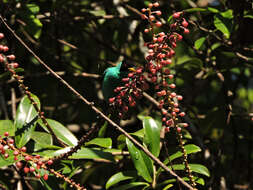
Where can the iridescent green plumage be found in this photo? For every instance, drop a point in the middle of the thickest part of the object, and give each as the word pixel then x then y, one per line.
pixel 113 78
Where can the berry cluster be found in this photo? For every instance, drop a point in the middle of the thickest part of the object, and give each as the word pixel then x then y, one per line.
pixel 130 92
pixel 28 163
pixel 24 161
pixel 161 49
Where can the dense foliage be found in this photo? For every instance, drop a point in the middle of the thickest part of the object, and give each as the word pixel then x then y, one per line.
pixel 79 40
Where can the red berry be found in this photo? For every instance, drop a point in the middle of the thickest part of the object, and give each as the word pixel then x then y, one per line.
pixel 1 36
pixel 14 65
pixel 182 114
pixel 186 31
pixel 1 147
pixel 15 158
pixel 132 104
pixel 144 17
pixel 156 4
pixel 179 97
pixel 1 57
pixel 176 15
pixel 45 177
pixel 167 129
pixel 152 17
pixel 26 170
pixel 6 134
pixel 179 37
pixel 15 153
pixel 125 108
pixel 37 176
pixel 27 158
pixel 158 24
pixel 5 48
pixel 169 122
pixel 125 79
pixel 150 5
pixel 185 124
pixel 37 156
pixel 111 100
pixel 146 30
pixel 185 23
pixel 50 162
pixel 11 57
pixel 158 13
pixel 23 149
pixel 171 76
pixel 143 10
pixel 172 86
pixel 6 155
pixel 179 129
pixel 32 169
pixel 173 94
pixel 19 165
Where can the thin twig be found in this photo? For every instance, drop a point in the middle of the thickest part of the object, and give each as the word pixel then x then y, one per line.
pixel 97 111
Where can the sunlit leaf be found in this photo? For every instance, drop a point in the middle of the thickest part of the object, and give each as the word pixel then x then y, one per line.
pixel 121 176
pixel 142 162
pixel 25 120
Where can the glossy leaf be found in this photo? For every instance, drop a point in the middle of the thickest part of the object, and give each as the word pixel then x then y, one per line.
pixel 61 132
pixel 190 149
pixel 170 181
pixel 130 185
pixel 121 176
pixel 25 121
pixel 198 168
pixel 151 135
pixel 103 142
pixel 199 42
pixel 7 161
pixel 91 153
pixel 213 10
pixel 142 162
pixel 168 186
pixel 197 9
pixel 7 126
pixel 221 26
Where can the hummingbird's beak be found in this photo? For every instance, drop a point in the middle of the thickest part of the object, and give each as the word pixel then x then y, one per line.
pixel 132 69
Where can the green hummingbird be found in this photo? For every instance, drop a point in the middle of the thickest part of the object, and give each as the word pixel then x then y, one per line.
pixel 113 78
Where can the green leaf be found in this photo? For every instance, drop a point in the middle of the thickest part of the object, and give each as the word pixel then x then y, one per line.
pixel 198 168
pixel 83 153
pixel 33 8
pixel 190 148
pixel 151 135
pixel 142 162
pixel 103 142
pixel 170 181
pixel 7 161
pixel 33 25
pixel 139 133
pixel 219 23
pixel 199 42
pixel 92 153
pixel 191 10
pixel 130 185
pixel 42 138
pixel 7 126
pixel 25 121
pixel 102 130
pixel 168 186
pixel 61 132
pixel 213 10
pixel 227 14
pixel 121 176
